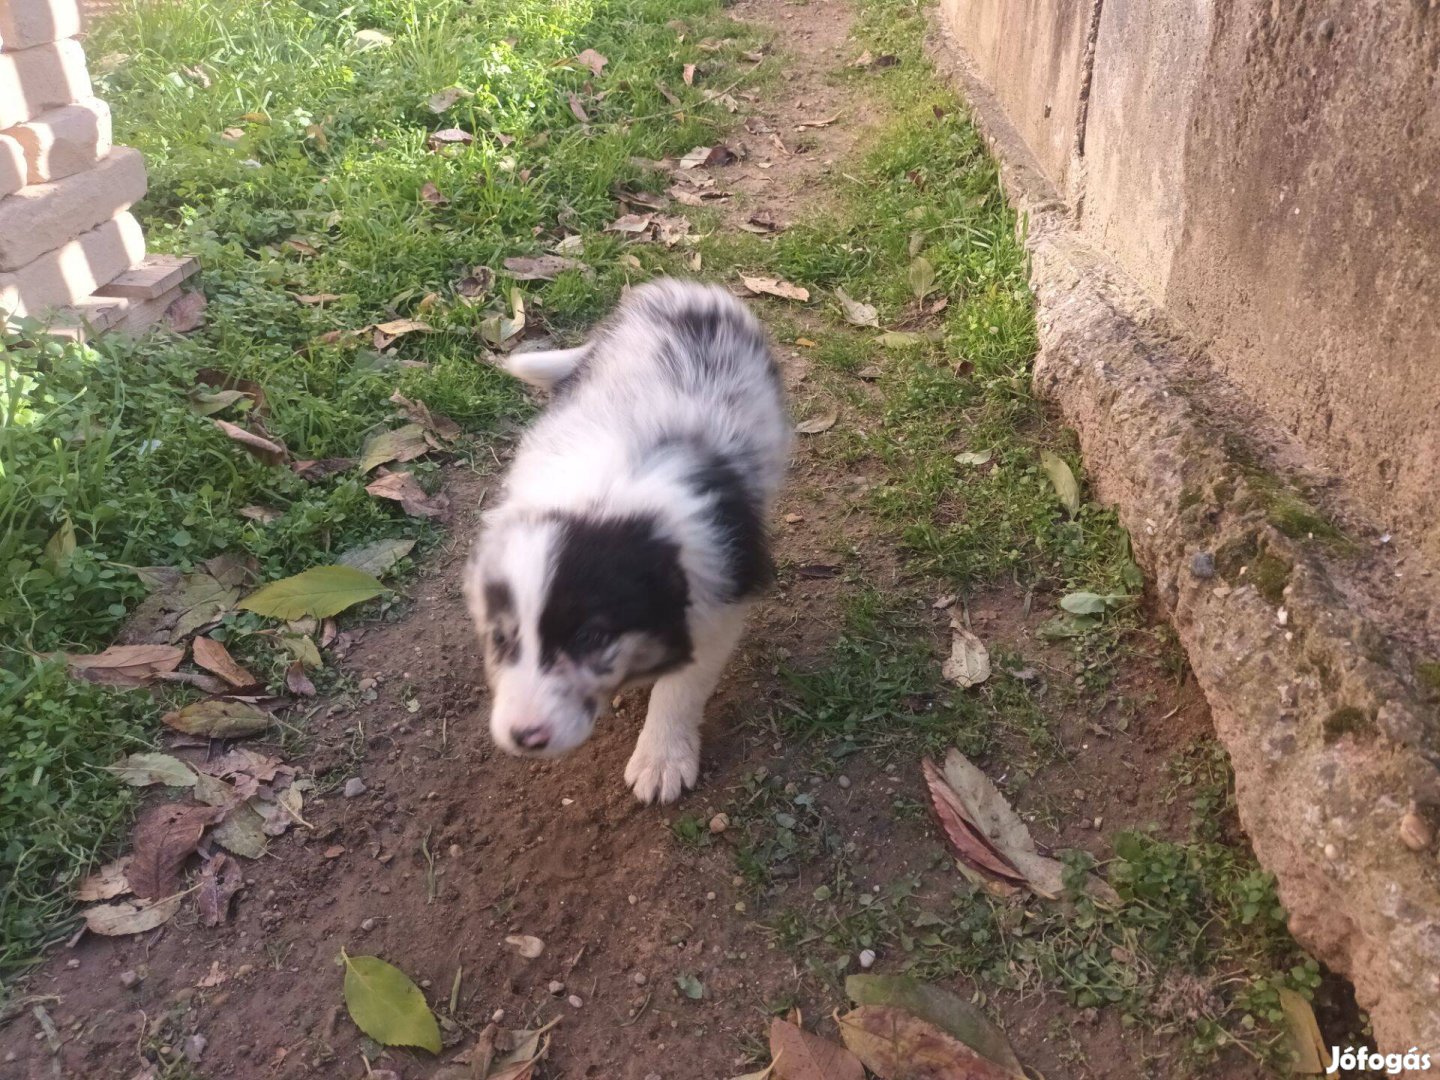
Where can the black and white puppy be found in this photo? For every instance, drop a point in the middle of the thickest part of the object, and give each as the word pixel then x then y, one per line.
pixel 633 530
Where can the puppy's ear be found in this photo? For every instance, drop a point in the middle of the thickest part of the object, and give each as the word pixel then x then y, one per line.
pixel 546 367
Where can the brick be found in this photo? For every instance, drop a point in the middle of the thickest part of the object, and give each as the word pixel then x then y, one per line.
pixel 12 166
pixel 26 23
pixel 74 271
pixel 42 78
pixel 157 275
pixel 63 141
pixel 40 217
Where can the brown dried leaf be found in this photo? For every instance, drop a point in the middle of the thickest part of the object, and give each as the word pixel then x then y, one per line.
pixel 542 267
pixel 318 298
pixel 106 883
pixel 666 93
pixel 817 424
pixel 969 661
pixel 689 75
pixel 267 450
pixel 297 682
pixel 214 657
pixel 401 444
pixel 446 138
pixel 895 1045
pixel 125 665
pixel 770 286
pixel 130 916
pixel 418 412
pixel 220 879
pixel 578 110
pixel 164 837
pixel 799 1055
pixel 631 224
pixel 431 194
pixel 265 515
pixel 817 123
pixel 403 488
pixel 315 471
pixel 591 59
pixel 965 836
pixel 241 761
pixel 218 719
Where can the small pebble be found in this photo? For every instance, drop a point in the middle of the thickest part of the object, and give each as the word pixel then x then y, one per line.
pixel 843 781
pixel 639 978
pixel 867 959
pixel 498 1016
pixel 1416 833
pixel 557 987
pixel 354 787
pixel 719 823
pixel 708 896
pixel 72 964
pixel 454 851
pixel 633 898
pixel 575 1001
pixel 195 1047
pixel 129 980
pixel 243 970
pixel 368 925
pixel 1202 565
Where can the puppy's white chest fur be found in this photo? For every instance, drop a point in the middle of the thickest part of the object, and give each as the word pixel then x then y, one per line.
pixel 633 531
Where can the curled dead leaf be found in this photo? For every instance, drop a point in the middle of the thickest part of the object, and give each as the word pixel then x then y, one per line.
pixel 769 286
pixel 402 487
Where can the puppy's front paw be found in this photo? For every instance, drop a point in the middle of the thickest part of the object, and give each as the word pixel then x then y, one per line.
pixel 662 774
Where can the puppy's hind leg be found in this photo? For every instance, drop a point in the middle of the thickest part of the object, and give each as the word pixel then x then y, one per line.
pixel 544 367
pixel 667 755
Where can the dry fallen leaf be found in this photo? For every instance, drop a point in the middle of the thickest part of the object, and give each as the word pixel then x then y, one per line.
pixel 817 123
pixel 106 883
pixel 578 110
pixel 591 59
pixel 402 487
pixel 969 661
pixel 542 267
pixel 220 879
pixel 297 682
pixel 707 156
pixel 431 194
pixel 124 665
pixel 630 224
pixel 442 100
pixel 689 74
pixel 955 1016
pixel 973 848
pixel 1311 1054
pixel 1063 480
pixel 991 818
pixel 400 444
pixel 799 1055
pixel 164 837
pixel 267 450
pixel 418 412
pixel 770 286
pixel 856 313
pixel 186 313
pixel 815 425
pixel 448 138
pixel 895 1045
pixel 130 916
pixel 215 658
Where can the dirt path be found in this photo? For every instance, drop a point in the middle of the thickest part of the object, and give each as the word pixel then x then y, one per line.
pixel 452 847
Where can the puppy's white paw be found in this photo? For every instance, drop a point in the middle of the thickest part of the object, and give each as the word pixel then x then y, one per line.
pixel 662 773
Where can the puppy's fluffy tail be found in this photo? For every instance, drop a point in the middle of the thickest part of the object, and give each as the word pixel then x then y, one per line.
pixel 543 367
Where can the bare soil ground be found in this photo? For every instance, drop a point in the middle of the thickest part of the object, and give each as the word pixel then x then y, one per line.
pixel 452 846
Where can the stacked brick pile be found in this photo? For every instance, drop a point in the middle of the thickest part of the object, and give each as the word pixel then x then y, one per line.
pixel 69 249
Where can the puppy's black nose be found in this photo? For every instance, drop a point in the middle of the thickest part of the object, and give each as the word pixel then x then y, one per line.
pixel 533 738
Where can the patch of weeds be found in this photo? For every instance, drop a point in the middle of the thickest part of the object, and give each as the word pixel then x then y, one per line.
pixel 691 830
pixel 1270 573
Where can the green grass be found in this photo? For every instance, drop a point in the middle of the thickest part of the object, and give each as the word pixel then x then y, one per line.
pixel 292 160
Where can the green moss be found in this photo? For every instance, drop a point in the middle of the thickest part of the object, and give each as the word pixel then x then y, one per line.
pixel 1428 672
pixel 1235 554
pixel 1298 520
pixel 1347 720
pixel 1269 575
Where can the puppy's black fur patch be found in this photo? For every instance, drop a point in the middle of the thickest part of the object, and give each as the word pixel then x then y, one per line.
pixel 739 521
pixel 614 576
pixel 504 642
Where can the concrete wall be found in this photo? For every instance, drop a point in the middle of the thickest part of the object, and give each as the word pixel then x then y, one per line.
pixel 1269 170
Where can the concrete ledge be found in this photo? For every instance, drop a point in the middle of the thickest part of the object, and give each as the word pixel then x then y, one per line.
pixel 1307 652
pixel 63 141
pixel 73 271
pixel 42 78
pixel 41 217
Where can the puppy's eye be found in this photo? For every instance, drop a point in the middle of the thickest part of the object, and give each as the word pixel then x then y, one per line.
pixel 498 639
